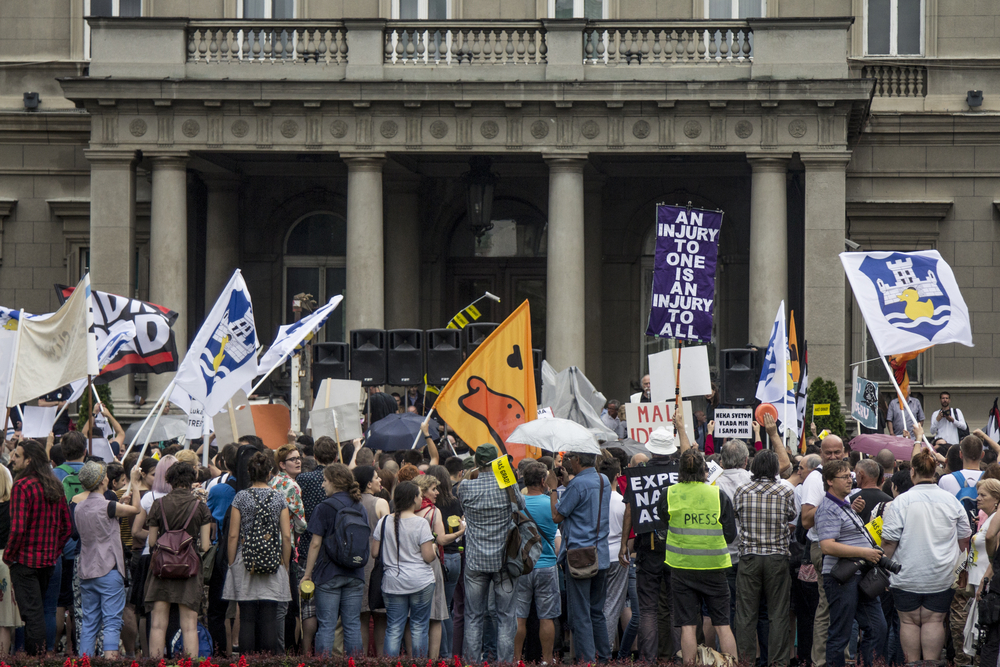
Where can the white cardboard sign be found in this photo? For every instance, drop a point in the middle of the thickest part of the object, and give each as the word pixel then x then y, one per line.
pixel 733 423
pixel 696 380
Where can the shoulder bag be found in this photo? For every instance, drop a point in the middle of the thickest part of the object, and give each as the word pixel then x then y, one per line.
pixel 375 598
pixel 583 561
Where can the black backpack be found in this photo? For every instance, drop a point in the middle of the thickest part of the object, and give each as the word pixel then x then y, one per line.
pixel 349 546
pixel 262 546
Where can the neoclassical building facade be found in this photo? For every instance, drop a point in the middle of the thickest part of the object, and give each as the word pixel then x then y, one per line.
pixel 326 146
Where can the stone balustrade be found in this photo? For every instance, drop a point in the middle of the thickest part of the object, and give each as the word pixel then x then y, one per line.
pixel 465 43
pixel 894 79
pixel 255 42
pixel 687 42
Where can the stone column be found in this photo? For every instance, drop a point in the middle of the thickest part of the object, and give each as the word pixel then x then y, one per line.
pixel 222 233
pixel 168 249
pixel 594 286
pixel 825 286
pixel 566 324
pixel 364 295
pixel 112 234
pixel 402 255
pixel 768 244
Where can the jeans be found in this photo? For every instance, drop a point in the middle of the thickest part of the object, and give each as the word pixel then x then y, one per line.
pixel 339 598
pixel 656 637
pixel 585 603
pixel 821 621
pixel 847 605
pixel 453 567
pixel 763 578
pixel 103 603
pixel 477 591
pixel 51 602
pixel 416 607
pixel 632 629
pixel 259 627
pixel 28 584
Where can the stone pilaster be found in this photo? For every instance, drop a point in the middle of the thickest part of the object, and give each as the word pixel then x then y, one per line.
pixel 222 233
pixel 402 254
pixel 565 340
pixel 112 220
pixel 768 244
pixel 364 295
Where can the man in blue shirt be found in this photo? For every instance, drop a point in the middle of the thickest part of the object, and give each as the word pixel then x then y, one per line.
pixel 582 513
pixel 542 583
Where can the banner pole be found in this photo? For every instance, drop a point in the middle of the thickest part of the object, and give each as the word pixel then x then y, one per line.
pixel 903 403
pixel 264 377
pixel 426 420
pixel 149 434
pixel 13 361
pixel 90 415
pixel 204 440
pixel 156 410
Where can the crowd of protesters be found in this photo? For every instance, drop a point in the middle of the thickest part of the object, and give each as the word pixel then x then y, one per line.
pixel 817 557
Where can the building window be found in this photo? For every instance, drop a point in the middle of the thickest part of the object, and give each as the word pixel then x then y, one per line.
pixel 735 9
pixel 421 10
pixel 894 27
pixel 266 9
pixel 578 9
pixel 315 263
pixel 120 8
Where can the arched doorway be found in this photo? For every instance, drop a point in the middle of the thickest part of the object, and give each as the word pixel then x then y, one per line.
pixel 315 263
pixel 508 261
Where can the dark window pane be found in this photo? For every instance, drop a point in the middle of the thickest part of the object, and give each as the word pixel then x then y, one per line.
pixel 408 9
pixel 437 10
pixel 253 9
pixel 564 9
pixel 593 9
pixel 100 8
pixel 878 27
pixel 130 8
pixel 336 283
pixel 532 289
pixel 908 21
pixel 319 234
pixel 299 280
pixel 283 9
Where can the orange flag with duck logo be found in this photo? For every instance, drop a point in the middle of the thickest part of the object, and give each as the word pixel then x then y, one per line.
pixel 494 391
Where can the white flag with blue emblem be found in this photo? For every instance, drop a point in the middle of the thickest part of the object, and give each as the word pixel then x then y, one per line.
pixel 291 336
pixel 775 385
pixel 223 356
pixel 909 300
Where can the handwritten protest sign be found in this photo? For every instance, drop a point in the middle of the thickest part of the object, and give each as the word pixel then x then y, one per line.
pixel 503 472
pixel 684 273
pixel 643 487
pixel 644 418
pixel 864 407
pixel 733 423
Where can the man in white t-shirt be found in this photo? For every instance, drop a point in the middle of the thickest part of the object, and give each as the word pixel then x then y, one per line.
pixel 946 422
pixel 616 587
pixel 831 449
pixel 972 453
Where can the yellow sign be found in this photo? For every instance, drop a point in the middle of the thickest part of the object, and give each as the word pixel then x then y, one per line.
pixel 820 409
pixel 823 434
pixel 503 472
pixel 874 528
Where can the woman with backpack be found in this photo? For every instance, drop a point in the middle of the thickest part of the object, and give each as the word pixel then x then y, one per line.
pixel 430 490
pixel 407 548
pixel 179 515
pixel 338 553
pixel 260 547
pixel 101 564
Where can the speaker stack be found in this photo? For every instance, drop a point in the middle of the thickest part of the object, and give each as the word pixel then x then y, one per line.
pixel 405 359
pixel 368 358
pixel 476 333
pixel 740 373
pixel 444 355
pixel 329 361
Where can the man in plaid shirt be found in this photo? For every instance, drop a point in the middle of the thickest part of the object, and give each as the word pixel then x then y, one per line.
pixel 488 515
pixel 39 528
pixel 765 506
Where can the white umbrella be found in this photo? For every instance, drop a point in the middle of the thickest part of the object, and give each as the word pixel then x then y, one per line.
pixel 556 435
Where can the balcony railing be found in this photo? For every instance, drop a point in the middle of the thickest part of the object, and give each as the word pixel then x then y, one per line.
pixel 606 43
pixel 465 43
pixel 894 79
pixel 315 42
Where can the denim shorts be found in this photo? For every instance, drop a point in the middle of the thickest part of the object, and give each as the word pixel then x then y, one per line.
pixel 543 585
pixel 938 603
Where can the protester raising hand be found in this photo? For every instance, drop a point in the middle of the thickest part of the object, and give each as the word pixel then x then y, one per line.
pixel 784 462
pixel 711 427
pixel 679 431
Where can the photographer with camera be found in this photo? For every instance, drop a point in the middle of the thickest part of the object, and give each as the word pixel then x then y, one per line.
pixel 926 529
pixel 847 551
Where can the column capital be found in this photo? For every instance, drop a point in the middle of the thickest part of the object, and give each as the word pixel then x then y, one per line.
pixel 566 162
pixel 107 158
pixel 167 159
pixel 768 162
pixel 825 161
pixel 364 161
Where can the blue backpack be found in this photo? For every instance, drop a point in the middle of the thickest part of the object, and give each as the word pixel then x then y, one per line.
pixel 350 544
pixel 967 496
pixel 204 643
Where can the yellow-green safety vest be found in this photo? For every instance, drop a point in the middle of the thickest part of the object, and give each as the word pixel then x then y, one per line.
pixel 694 536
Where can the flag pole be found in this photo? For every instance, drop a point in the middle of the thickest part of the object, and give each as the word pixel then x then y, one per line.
pixel 156 410
pixel 903 403
pixel 13 362
pixel 264 377
pixel 90 416
pixel 426 420
pixel 784 372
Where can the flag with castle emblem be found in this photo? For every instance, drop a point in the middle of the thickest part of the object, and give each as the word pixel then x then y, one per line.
pixel 910 300
pixel 223 356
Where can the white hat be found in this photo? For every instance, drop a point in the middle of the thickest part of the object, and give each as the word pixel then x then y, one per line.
pixel 661 441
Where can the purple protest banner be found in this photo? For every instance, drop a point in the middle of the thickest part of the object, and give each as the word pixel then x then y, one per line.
pixel 687 247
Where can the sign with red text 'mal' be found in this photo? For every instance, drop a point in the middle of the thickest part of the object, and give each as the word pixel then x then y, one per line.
pixel 687 248
pixel 644 418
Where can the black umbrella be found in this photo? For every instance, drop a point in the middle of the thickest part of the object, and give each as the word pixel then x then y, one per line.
pixel 397 431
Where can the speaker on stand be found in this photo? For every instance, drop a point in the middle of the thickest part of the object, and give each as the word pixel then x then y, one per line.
pixel 405 357
pixel 368 358
pixel 476 333
pixel 329 361
pixel 444 355
pixel 740 371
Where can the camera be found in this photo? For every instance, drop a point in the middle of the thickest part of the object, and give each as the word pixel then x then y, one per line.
pixel 889 564
pixel 848 567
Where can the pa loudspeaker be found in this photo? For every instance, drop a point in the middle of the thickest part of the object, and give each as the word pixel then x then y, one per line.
pixel 444 355
pixel 329 361
pixel 740 373
pixel 476 333
pixel 405 357
pixel 368 363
